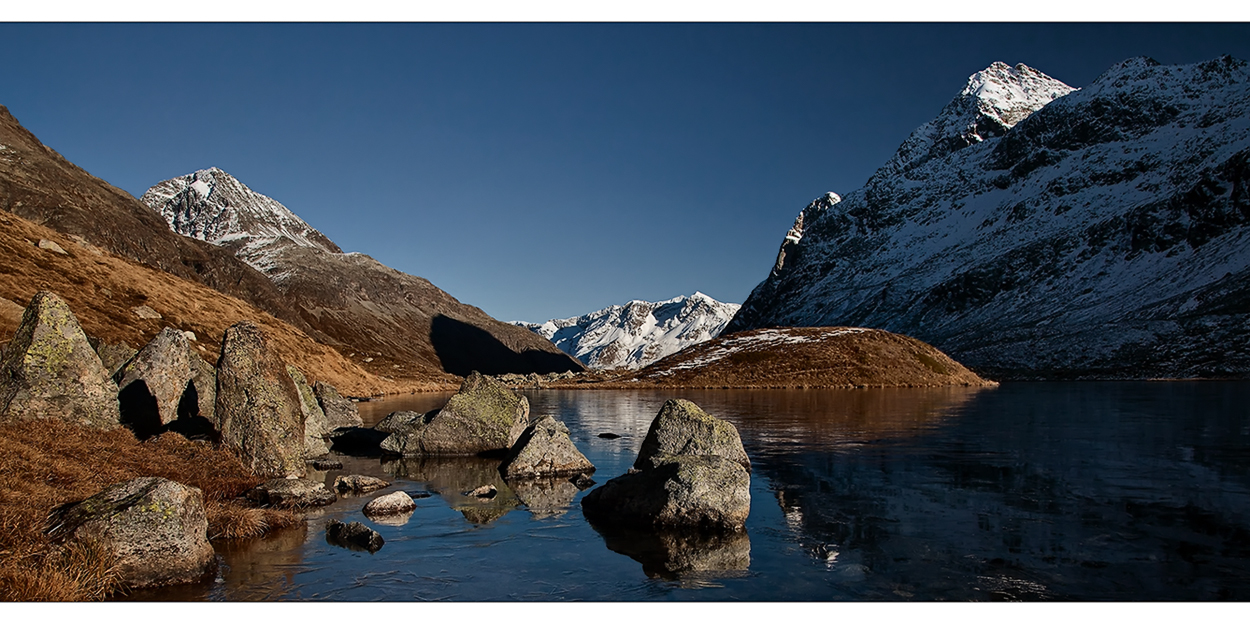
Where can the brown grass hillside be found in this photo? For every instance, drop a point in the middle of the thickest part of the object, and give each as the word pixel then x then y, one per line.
pixel 103 289
pixel 802 357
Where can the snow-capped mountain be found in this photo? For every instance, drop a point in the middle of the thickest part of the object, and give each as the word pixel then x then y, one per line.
pixel 637 333
pixel 213 206
pixel 1034 230
pixel 394 322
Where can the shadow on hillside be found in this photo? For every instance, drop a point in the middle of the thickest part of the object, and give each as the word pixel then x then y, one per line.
pixel 463 348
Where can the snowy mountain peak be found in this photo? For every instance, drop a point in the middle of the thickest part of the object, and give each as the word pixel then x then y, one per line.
pixel 214 206
pixel 637 333
pixel 993 101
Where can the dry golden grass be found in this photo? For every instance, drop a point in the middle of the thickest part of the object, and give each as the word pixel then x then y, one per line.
pixel 47 463
pixel 102 289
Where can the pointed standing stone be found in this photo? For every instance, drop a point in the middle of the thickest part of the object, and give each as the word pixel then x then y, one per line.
pixel 258 407
pixel 316 428
pixel 49 370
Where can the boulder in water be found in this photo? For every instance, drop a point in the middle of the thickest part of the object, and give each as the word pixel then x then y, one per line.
pixel 483 416
pixel 339 412
pixel 545 450
pixel 683 428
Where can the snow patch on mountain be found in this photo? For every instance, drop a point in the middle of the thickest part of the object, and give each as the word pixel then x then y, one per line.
pixel 637 333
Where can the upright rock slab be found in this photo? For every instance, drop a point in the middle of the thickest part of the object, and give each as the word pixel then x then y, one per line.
pixel 316 427
pixel 155 527
pixel 113 356
pixel 339 412
pixel 258 407
pixel 483 416
pixel 545 450
pixel 683 428
pixel 161 370
pixel 49 370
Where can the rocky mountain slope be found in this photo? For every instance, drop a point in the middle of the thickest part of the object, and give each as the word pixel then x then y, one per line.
pixel 385 319
pixel 41 186
pixel 1036 231
pixel 637 333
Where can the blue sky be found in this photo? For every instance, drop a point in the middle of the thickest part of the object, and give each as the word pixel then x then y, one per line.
pixel 535 170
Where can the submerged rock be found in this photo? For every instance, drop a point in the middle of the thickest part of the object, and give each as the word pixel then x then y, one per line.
pixel 354 535
pixel 683 428
pixel 325 464
pixel 291 493
pixel 49 370
pixel 358 484
pixel 702 491
pixel 582 481
pixel 258 407
pixel 339 412
pixel 156 529
pixel 544 450
pixel 483 416
pixel 316 427
pixel 389 505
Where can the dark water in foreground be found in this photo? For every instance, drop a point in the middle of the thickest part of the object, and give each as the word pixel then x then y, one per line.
pixel 1067 491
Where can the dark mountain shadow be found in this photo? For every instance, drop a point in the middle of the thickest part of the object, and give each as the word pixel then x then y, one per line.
pixel 463 348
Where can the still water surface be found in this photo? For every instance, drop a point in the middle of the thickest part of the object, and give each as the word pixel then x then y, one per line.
pixel 1033 491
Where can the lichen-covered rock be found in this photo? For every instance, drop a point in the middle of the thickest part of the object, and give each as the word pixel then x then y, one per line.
pixel 160 370
pixel 358 484
pixel 699 491
pixel 544 450
pixel 353 535
pixel 389 505
pixel 683 428
pixel 258 407
pixel 316 427
pixel 49 370
pixel 483 416
pixel 113 356
pixel 339 412
pixel 291 493
pixel 156 529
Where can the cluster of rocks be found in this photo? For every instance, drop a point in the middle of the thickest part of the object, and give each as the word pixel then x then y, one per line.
pixel 252 403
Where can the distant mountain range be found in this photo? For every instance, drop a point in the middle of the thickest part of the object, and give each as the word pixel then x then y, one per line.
pixel 1033 230
pixel 391 321
pixel 637 333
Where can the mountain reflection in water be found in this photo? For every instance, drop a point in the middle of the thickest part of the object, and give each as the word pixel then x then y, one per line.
pixel 1030 491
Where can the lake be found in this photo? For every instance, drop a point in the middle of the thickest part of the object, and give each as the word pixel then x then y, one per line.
pixel 1124 491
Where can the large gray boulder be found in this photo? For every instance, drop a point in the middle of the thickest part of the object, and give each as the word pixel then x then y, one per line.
pixel 339 412
pixel 292 493
pixel 258 407
pixel 544 450
pixel 483 416
pixel 698 491
pixel 316 428
pixel 683 428
pixel 155 528
pixel 157 375
pixel 49 370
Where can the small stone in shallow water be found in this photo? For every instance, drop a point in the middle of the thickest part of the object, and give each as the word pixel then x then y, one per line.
pixel 326 464
pixel 359 483
pixel 609 436
pixel 354 535
pixel 582 481
pixel 485 491
pixel 389 504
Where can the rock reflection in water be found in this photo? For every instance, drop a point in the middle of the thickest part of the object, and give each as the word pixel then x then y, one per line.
pixel 451 477
pixel 681 555
pixel 546 498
